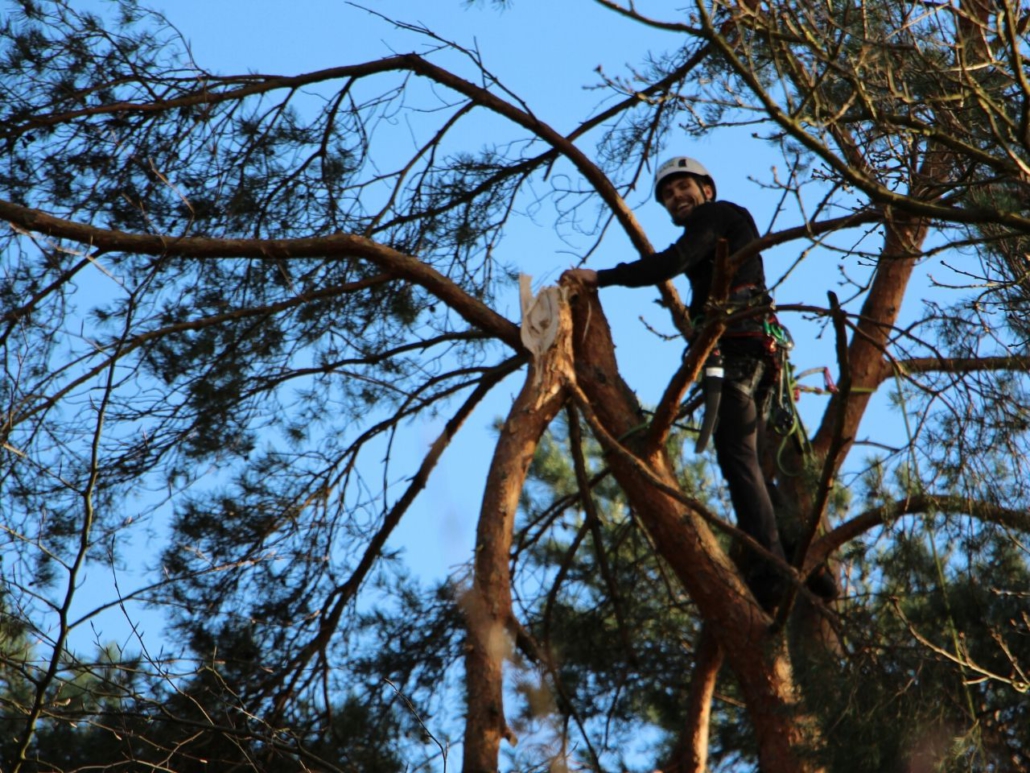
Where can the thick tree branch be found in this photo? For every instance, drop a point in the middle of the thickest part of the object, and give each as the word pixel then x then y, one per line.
pixel 1019 520
pixel 959 365
pixel 690 754
pixel 487 604
pixel 688 546
pixel 879 312
pixel 342 246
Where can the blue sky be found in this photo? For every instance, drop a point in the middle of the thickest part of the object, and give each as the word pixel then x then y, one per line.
pixel 520 45
pixel 546 52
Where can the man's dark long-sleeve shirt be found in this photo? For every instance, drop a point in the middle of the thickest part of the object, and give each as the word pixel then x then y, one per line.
pixel 693 254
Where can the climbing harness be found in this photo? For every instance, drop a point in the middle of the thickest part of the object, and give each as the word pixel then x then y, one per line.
pixel 714 374
pixel 784 389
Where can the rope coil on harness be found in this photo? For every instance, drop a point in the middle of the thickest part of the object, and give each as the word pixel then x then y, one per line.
pixel 783 412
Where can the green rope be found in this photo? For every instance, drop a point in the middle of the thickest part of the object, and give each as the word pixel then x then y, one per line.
pixel 793 428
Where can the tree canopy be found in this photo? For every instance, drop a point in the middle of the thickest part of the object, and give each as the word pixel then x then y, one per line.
pixel 247 315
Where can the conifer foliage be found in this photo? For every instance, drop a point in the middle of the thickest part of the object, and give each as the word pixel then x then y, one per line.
pixel 235 306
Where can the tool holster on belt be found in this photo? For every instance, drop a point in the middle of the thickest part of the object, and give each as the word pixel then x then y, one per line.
pixel 713 379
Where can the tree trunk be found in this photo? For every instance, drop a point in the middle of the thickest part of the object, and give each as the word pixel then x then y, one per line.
pixel 758 658
pixel 487 605
pixel 880 311
pixel 691 752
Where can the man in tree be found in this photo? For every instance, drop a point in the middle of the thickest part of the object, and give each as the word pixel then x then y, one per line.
pixel 745 353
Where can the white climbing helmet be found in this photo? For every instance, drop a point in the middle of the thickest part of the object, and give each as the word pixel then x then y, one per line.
pixel 680 165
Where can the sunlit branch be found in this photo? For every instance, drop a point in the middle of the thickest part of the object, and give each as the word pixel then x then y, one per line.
pixel 690 755
pixel 962 657
pixel 917 504
pixel 336 246
pixel 961 365
pixel 613 445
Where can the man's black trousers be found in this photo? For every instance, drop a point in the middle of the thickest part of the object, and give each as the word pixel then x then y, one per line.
pixel 738 436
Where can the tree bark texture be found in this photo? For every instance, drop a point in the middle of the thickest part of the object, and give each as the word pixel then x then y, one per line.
pixel 691 752
pixel 488 605
pixel 880 311
pixel 758 658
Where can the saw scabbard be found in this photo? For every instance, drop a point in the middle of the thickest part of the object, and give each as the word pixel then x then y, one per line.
pixel 714 375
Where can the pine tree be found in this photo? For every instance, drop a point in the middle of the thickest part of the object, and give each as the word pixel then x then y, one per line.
pixel 293 294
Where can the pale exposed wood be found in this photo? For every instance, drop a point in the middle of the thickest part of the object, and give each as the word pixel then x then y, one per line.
pixel 487 604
